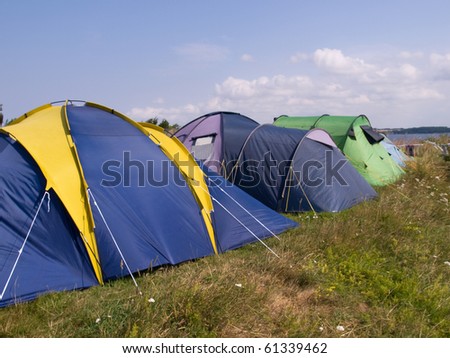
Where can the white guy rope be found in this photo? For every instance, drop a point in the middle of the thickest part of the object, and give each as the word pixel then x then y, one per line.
pixel 46 194
pixel 248 212
pixel 114 240
pixel 250 231
pixel 241 223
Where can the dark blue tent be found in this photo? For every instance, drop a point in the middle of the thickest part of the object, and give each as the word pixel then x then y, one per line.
pixel 293 170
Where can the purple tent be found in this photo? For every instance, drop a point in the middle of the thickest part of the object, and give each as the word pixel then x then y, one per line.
pixel 217 138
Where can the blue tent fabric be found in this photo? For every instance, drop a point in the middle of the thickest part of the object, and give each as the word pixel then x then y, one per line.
pixel 264 162
pixel 242 218
pixel 145 214
pixel 333 184
pixel 235 130
pixel 166 225
pixel 396 154
pixel 289 172
pixel 53 250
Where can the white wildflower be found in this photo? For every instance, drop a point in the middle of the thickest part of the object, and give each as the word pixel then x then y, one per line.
pixel 340 328
pixel 97 320
pixel 151 300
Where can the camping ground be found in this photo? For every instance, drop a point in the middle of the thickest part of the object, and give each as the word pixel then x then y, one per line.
pixel 379 269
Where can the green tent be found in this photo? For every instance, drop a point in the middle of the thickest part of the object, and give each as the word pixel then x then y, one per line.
pixel 357 140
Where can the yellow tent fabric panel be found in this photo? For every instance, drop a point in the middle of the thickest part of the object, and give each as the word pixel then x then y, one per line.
pixel 183 159
pixel 51 147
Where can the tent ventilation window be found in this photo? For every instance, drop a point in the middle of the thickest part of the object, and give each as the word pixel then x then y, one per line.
pixel 372 135
pixel 202 147
pixel 351 133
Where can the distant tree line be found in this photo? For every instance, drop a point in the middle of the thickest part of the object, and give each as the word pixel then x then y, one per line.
pixel 164 123
pixel 416 130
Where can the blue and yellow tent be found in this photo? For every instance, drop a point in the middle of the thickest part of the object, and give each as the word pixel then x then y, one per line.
pixel 88 195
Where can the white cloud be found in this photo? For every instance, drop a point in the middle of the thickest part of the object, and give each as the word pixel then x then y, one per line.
pixel 440 60
pixel 173 114
pixel 395 74
pixel 247 58
pixel 414 94
pixel 237 88
pixel 398 89
pixel 276 86
pixel 441 65
pixel 361 99
pixel 334 61
pixel 202 52
pixel 298 57
pixel 409 71
pixel 411 55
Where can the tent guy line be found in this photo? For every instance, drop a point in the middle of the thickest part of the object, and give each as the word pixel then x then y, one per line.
pixel 46 194
pixel 90 195
pixel 241 223
pixel 248 212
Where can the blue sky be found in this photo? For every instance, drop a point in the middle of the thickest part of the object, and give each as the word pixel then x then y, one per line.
pixel 180 59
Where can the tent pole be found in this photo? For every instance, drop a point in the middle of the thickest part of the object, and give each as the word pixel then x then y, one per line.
pixel 304 193
pixel 289 190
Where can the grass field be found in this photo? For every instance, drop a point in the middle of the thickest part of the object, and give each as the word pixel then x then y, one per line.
pixel 380 269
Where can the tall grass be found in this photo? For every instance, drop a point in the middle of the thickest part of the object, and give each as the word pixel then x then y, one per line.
pixel 380 269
